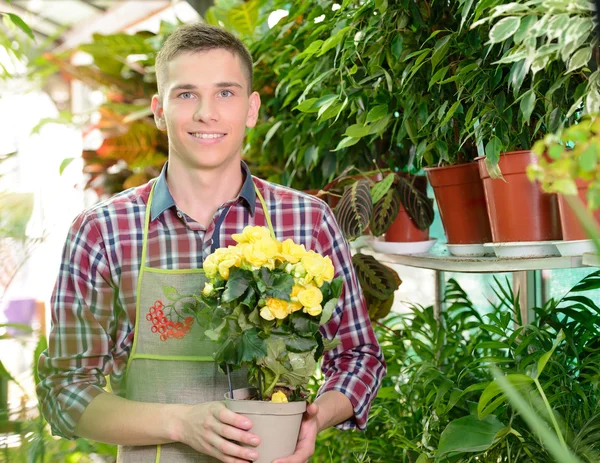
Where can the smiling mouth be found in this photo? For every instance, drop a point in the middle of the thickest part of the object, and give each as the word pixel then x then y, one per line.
pixel 207 136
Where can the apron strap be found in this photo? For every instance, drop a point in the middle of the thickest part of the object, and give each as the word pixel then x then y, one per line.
pixel 216 243
pixel 265 210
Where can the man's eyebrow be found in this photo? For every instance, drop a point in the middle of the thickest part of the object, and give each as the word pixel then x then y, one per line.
pixel 183 87
pixel 227 84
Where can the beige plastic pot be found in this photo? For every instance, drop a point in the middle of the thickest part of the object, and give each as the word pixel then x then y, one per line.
pixel 277 425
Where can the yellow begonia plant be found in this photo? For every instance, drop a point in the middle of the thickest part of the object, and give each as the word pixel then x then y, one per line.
pixel 266 300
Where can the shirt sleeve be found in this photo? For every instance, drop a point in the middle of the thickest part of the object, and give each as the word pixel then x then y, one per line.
pixel 356 366
pixel 72 369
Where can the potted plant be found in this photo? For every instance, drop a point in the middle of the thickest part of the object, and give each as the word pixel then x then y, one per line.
pixel 397 207
pixel 571 168
pixel 526 39
pixel 264 301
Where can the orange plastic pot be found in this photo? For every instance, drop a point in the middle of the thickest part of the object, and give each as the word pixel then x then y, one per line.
pixel 518 209
pixel 571 227
pixel 461 201
pixel 403 229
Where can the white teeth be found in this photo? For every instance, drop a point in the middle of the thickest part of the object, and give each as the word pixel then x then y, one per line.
pixel 208 135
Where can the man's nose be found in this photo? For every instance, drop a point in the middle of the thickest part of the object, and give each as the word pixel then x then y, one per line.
pixel 206 111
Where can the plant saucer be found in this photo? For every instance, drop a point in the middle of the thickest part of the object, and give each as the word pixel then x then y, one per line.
pixel 575 247
pixel 390 247
pixel 524 249
pixel 469 250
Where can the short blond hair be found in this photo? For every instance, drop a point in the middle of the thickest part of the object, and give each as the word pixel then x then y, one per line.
pixel 198 37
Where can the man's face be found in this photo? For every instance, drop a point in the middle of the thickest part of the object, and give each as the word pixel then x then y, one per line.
pixel 205 109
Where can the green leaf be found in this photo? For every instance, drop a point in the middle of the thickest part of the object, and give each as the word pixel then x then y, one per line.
pixel 346 142
pixel 307 106
pixel 63 165
pixel 237 284
pixel 293 342
pixel 439 50
pixel 271 132
pixel 357 131
pixel 381 188
pixel 439 75
pixel 328 311
pixel 381 5
pixel 544 358
pixel 304 324
pixel 450 113
pixel 5 374
pixel 376 113
pixel 332 42
pixel 252 346
pixel 397 46
pixel 504 29
pixel 468 434
pixel 492 150
pixel 527 105
pixel 485 406
pixel 17 21
pixel 527 22
pixel 580 59
pixel 244 17
pixel 170 292
pixel 589 158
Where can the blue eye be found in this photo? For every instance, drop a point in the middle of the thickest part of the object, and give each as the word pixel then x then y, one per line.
pixel 225 93
pixel 185 93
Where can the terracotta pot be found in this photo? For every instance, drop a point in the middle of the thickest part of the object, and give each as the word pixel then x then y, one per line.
pixel 518 209
pixel 403 229
pixel 267 417
pixel 571 228
pixel 461 201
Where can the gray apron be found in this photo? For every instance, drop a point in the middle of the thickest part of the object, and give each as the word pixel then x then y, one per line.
pixel 179 368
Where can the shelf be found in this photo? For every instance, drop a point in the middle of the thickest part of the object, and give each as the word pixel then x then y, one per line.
pixel 592 260
pixel 447 263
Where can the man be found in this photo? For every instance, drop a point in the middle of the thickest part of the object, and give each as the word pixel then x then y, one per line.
pixel 168 408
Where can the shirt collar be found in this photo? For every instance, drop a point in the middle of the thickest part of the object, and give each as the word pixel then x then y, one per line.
pixel 163 199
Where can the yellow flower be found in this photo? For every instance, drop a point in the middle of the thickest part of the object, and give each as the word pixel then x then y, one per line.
pixel 261 252
pixel 225 266
pixel 295 291
pixel 292 252
pixel 314 311
pixel 251 234
pixel 279 397
pixel 210 266
pixel 266 313
pixel 208 289
pixel 310 297
pixel 328 272
pixel 313 263
pixel 294 307
pixel 277 307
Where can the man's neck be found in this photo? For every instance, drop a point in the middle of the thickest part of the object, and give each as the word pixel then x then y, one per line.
pixel 199 193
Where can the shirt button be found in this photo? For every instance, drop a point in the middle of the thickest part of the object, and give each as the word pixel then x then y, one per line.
pixel 179 214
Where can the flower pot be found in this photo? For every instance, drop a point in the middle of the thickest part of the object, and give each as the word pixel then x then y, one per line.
pixel 518 209
pixel 403 229
pixel 461 201
pixel 571 228
pixel 277 425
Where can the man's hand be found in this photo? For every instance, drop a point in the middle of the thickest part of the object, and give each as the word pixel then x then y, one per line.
pixel 306 440
pixel 210 427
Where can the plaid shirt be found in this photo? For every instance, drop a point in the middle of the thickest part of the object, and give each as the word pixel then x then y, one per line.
pixel 93 304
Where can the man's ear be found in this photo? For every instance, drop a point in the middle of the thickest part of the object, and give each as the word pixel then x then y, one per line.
pixel 253 108
pixel 158 111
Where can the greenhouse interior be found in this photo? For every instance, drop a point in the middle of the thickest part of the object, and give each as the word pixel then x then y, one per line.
pixel 143 275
